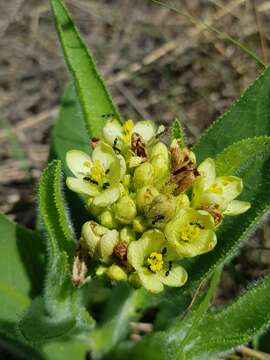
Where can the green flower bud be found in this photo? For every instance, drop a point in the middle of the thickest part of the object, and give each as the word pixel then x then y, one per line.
pixel 115 272
pixel 93 209
pixel 127 235
pixel 145 196
pixel 126 181
pixel 182 201
pixel 139 224
pixel 91 235
pixel 125 210
pixel 161 169
pixel 99 240
pixel 160 149
pixel 134 280
pixel 107 219
pixel 161 210
pixel 143 175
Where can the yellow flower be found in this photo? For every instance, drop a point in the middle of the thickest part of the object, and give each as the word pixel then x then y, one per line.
pixel 191 233
pixel 151 257
pixel 98 177
pixel 211 190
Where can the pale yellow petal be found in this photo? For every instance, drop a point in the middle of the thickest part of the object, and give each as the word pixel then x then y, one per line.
pixel 237 207
pixel 146 128
pixel 107 197
pixel 81 186
pixel 78 162
pixel 176 277
pixel 150 281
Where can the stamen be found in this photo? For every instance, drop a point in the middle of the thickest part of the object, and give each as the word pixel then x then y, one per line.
pixel 155 262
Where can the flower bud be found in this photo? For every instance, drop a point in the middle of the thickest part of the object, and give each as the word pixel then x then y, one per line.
pixel 127 235
pixel 91 235
pixel 134 280
pixel 161 210
pixel 107 219
pixel 161 168
pixel 115 272
pixel 107 244
pixel 145 196
pixel 143 175
pixel 160 149
pixel 94 210
pixel 125 210
pixel 182 201
pixel 127 181
pixel 139 224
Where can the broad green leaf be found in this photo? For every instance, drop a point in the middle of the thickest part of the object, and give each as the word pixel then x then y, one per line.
pixel 61 313
pixel 254 170
pixel 21 270
pixel 248 117
pixel 218 332
pixel 221 331
pixel 177 132
pixel 95 101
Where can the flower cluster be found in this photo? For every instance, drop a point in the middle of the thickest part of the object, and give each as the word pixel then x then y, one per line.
pixel 151 206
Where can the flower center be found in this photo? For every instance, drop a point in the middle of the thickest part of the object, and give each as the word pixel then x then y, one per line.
pixel 191 232
pixel 155 261
pixel 97 171
pixel 216 189
pixel 127 127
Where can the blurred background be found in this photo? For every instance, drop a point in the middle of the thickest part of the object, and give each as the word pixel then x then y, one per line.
pixel 158 65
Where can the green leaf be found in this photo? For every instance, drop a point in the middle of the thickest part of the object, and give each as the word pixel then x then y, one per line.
pixel 21 269
pixel 254 170
pixel 220 331
pixel 248 117
pixel 177 132
pixel 93 96
pixel 61 314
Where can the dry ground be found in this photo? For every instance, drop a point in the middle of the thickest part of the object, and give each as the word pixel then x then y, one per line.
pixel 158 65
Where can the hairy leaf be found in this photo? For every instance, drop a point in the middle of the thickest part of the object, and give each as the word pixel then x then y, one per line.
pixel 221 331
pixel 248 117
pixel 95 101
pixel 218 332
pixel 61 313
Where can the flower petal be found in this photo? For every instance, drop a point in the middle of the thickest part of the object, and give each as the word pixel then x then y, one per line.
pixel 146 129
pixel 150 281
pixel 207 171
pixel 177 277
pixel 107 197
pixel 231 187
pixel 112 130
pixel 123 166
pixel 78 162
pixel 81 186
pixel 107 244
pixel 151 240
pixel 105 154
pixel 237 207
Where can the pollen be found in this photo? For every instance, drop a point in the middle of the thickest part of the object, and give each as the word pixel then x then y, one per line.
pixel 190 232
pixel 97 171
pixel 155 262
pixel 127 127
